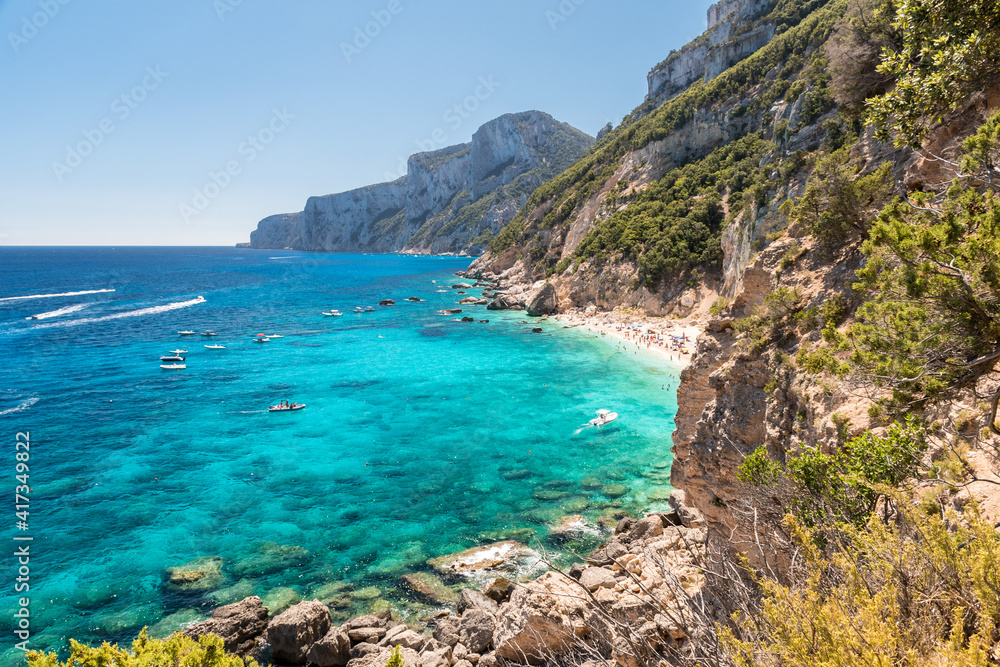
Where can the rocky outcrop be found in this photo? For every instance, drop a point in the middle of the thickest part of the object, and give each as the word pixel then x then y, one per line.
pixel 545 302
pixel 240 625
pixel 293 632
pixel 451 200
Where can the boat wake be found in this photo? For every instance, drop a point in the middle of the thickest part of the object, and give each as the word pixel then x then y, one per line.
pixel 62 311
pixel 24 406
pixel 51 296
pixel 154 310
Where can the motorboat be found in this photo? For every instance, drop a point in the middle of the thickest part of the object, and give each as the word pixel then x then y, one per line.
pixel 358 309
pixel 369 309
pixel 209 333
pixel 175 352
pixel 273 336
pixel 187 333
pixel 261 338
pixel 175 358
pixel 333 313
pixel 215 347
pixel 172 367
pixel 603 417
pixel 286 408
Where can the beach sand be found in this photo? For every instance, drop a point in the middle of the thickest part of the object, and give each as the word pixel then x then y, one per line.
pixel 655 334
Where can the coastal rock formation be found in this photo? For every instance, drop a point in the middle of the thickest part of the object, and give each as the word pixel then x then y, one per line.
pixel 544 302
pixel 239 624
pixel 293 632
pixel 451 200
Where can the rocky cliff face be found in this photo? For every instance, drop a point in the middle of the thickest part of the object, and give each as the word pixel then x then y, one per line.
pixel 720 47
pixel 451 200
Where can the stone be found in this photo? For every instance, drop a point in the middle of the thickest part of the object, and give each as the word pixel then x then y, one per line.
pixel 614 490
pixel 499 590
pixel 476 631
pixel 488 660
pixel 402 635
pixel 543 618
pixel 370 635
pixel 647 528
pixel 461 286
pixel 446 631
pixel 387 302
pixel 279 599
pixel 548 495
pixel 379 620
pixel 505 302
pixel 451 311
pixel 332 650
pixel 591 483
pixel 473 658
pixel 294 631
pixel 366 593
pixel 537 330
pixel 459 651
pixel 430 587
pixel 472 599
pixel 271 557
pixel 439 658
pixel 239 624
pixel 489 556
pixel 468 319
pixel 365 648
pixel 379 656
pixel 607 554
pixel 689 516
pixel 414 299
pixel 200 574
pixel 462 663
pixel 475 301
pixel 545 302
pixel 177 621
pixel 576 569
pixel 597 577
pixel 624 525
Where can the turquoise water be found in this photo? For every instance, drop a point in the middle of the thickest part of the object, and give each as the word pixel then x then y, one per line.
pixel 422 436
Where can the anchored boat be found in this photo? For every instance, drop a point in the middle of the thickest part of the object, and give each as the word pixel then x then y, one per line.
pixel 286 408
pixel 603 417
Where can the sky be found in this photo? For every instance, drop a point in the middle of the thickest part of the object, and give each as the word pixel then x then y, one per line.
pixel 186 122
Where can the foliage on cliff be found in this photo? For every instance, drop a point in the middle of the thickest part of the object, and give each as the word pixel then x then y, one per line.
pixel 174 651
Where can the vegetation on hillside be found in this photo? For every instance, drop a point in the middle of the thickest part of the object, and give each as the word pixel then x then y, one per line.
pixel 174 651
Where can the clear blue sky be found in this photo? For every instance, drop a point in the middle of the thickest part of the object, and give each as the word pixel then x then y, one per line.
pixel 152 97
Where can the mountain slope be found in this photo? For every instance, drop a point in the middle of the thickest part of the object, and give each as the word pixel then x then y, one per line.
pixel 453 200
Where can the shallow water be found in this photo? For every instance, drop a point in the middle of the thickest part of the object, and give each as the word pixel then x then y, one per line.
pixel 422 436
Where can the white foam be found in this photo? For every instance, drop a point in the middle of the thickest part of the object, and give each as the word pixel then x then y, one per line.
pixel 62 311
pixel 50 296
pixel 153 310
pixel 24 406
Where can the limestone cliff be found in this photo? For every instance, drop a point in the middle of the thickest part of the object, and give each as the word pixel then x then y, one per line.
pixel 451 201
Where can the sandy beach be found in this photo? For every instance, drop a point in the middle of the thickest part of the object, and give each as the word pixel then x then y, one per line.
pixel 672 339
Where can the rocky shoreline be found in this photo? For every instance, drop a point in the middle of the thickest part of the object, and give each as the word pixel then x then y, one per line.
pixel 632 595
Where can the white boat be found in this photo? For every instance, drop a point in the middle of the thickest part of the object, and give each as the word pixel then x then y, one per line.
pixel 286 408
pixel 262 339
pixel 369 309
pixel 358 309
pixel 178 351
pixel 186 333
pixel 603 417
pixel 333 313
pixel 172 367
pixel 173 358
pixel 273 336
pixel 215 347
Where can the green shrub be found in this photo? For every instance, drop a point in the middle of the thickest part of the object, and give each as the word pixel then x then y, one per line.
pixel 174 651
pixel 757 469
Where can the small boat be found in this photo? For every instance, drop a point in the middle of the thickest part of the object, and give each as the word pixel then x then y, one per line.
pixel 369 309
pixel 358 309
pixel 603 417
pixel 215 347
pixel 186 333
pixel 261 338
pixel 172 367
pixel 273 336
pixel 178 351
pixel 333 313
pixel 286 408
pixel 175 358
pixel 209 333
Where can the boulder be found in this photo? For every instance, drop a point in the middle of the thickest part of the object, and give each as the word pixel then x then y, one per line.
pixel 414 299
pixel 543 618
pixel 545 302
pixel 505 302
pixel 447 630
pixel 402 635
pixel 461 286
pixel 499 590
pixel 537 330
pixel 438 658
pixel 380 655
pixel 476 631
pixel 387 302
pixel 646 528
pixel 475 300
pixel 451 311
pixel 370 635
pixel 468 319
pixel 379 620
pixel 488 660
pixel 363 649
pixel 472 599
pixel 239 625
pixel 597 577
pixel 689 516
pixel 608 553
pixel 332 650
pixel 293 632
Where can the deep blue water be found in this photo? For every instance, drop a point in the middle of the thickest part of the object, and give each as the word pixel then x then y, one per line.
pixel 422 435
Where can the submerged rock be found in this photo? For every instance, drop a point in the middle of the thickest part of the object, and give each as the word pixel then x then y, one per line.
pixel 200 574
pixel 367 593
pixel 279 599
pixel 591 483
pixel 430 587
pixel 271 557
pixel 614 490
pixel 179 620
pixel 489 556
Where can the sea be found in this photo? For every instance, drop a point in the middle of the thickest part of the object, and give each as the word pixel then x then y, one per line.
pixel 423 435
